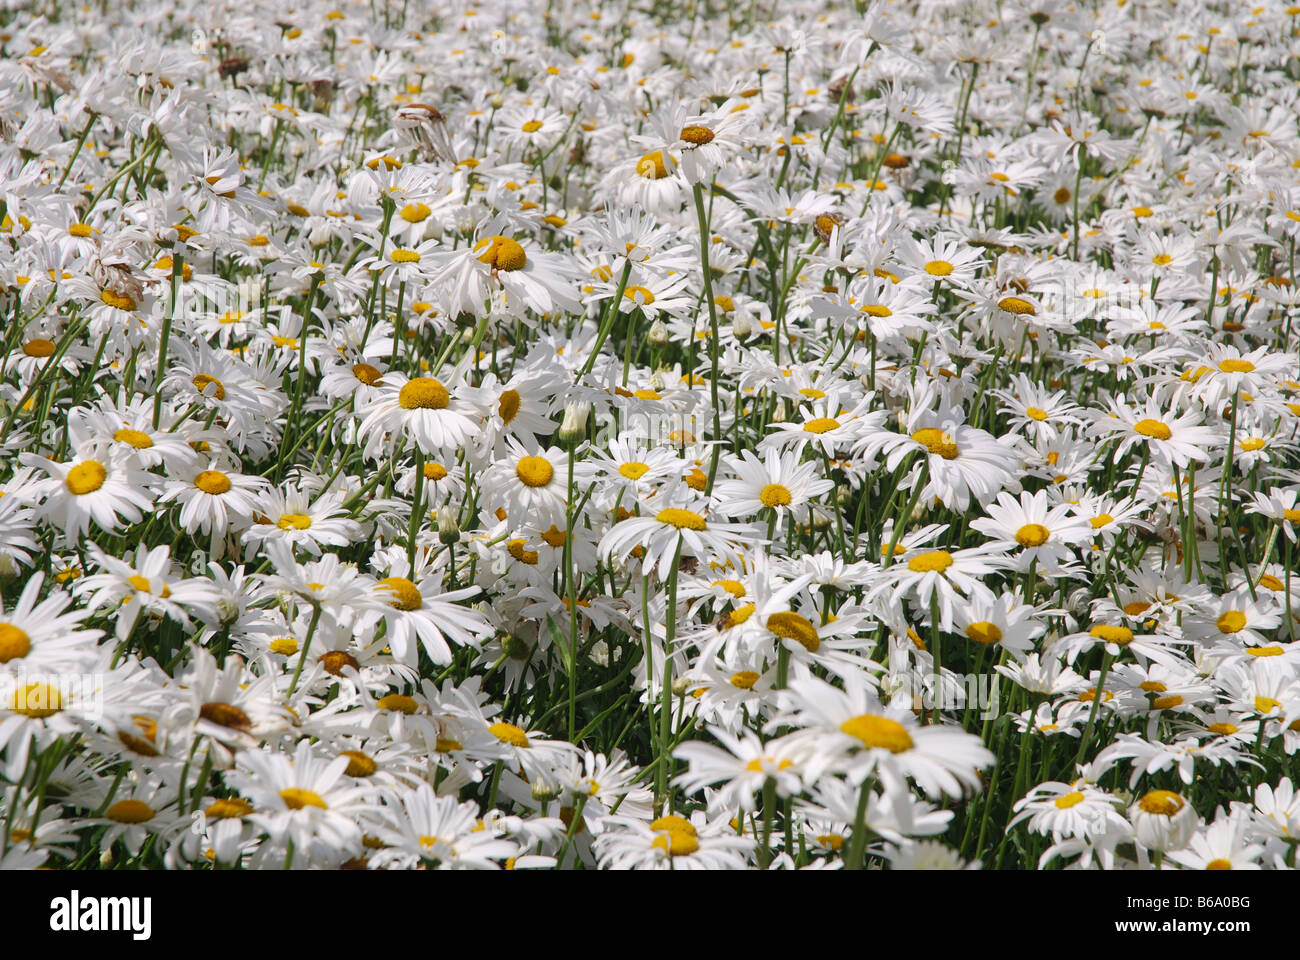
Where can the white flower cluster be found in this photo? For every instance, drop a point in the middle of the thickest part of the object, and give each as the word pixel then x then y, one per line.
pixel 458 435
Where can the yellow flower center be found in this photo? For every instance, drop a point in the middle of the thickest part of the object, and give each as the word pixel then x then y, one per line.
pixel 1231 621
pixel 878 732
pixel 119 301
pixel 639 295
pixel 984 632
pixel 36 700
pixel 359 765
pixel 774 495
pixel 402 255
pixel 1018 306
pixel 744 679
pixel 634 470
pixel 517 549
pixel 821 425
pixel 423 393
pixel 133 438
pixel 675 823
pixel 397 703
pixel 1219 864
pixel 415 213
pixel 366 373
pixel 531 126
pixel 739 615
pixel 937 442
pixel 1100 520
pixel 129 811
pixel 1032 535
pixel 405 594
pixel 792 626
pixel 14 642
pixel 681 519
pixel 1036 413
pixel 295 798
pixel 936 561
pixel 38 347
pixel 86 477
pixel 509 405
pixel 228 809
pixel 333 662
pixel 652 166
pixel 1110 633
pixel 1236 365
pixel 676 843
pixel 502 253
pixel 1153 428
pixel 225 715
pixel 1066 801
pixel 203 380
pixel 509 733
pixel 696 135
pixel 938 268
pixel 534 471
pixel 142 584
pixel 294 521
pixel 877 310
pixel 212 481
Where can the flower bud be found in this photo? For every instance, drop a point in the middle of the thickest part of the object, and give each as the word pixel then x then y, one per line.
pixel 496 101
pixel 574 426
pixel 544 789
pixel 448 525
pixel 658 333
pixel 741 326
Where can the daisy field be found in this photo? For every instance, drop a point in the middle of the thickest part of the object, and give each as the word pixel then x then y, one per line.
pixel 627 435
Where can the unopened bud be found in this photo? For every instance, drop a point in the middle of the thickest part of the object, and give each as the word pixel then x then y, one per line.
pixel 657 381
pixel 658 333
pixel 741 326
pixel 448 525
pixel 681 686
pixel 544 789
pixel 574 426
pixel 496 101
